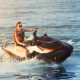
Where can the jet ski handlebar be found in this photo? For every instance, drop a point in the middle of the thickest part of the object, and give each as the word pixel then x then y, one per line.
pixel 34 32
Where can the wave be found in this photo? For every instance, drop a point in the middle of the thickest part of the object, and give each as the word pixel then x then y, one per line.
pixel 32 70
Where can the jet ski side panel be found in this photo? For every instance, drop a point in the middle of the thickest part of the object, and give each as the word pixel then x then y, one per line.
pixel 16 51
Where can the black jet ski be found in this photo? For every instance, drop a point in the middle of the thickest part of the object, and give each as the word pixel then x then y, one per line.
pixel 43 48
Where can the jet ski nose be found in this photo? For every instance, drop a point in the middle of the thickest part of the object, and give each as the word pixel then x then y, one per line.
pixel 71 48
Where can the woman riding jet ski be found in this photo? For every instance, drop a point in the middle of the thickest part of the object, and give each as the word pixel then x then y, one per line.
pixel 43 48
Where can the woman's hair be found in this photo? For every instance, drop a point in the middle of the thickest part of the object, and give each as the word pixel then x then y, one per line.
pixel 18 23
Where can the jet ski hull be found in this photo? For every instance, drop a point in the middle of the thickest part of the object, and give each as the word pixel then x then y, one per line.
pixel 59 55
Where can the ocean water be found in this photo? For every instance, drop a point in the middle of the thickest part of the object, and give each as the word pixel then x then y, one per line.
pixel 60 19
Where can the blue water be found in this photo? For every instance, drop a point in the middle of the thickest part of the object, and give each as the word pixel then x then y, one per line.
pixel 60 19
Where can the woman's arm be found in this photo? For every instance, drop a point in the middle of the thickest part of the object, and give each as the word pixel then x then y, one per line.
pixel 28 30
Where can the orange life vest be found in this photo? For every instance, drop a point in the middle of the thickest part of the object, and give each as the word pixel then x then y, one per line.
pixel 19 35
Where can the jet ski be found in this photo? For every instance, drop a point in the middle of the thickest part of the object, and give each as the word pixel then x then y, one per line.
pixel 43 48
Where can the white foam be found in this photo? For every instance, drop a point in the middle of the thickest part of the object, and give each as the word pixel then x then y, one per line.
pixel 70 42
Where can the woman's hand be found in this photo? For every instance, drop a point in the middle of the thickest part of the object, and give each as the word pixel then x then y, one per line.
pixel 35 29
pixel 24 45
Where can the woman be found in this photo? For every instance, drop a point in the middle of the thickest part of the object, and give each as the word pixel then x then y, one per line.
pixel 19 34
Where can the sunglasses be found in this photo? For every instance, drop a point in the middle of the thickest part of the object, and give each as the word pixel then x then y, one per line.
pixel 20 25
